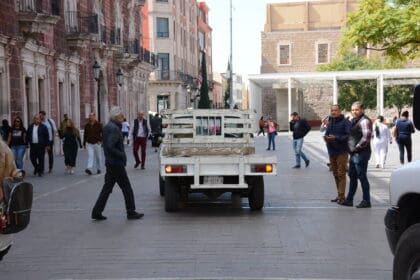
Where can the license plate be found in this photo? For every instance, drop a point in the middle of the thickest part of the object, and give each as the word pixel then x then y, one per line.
pixel 213 180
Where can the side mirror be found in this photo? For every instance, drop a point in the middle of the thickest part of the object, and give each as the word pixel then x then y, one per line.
pixel 416 107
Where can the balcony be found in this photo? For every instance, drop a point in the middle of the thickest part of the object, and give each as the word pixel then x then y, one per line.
pixel 178 76
pixel 148 57
pixel 115 36
pixel 80 29
pixel 131 53
pixel 35 16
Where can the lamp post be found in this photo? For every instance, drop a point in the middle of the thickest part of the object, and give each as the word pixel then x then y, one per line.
pixel 96 73
pixel 120 77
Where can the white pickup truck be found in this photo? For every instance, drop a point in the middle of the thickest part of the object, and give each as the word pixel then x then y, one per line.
pixel 402 220
pixel 211 152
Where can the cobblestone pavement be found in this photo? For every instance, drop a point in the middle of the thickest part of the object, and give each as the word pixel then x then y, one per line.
pixel 298 235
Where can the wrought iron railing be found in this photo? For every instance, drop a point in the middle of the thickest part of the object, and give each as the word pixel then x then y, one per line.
pixel 115 36
pixel 76 23
pixel 39 6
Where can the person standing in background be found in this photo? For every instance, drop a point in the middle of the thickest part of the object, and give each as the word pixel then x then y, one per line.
pixel 381 136
pixel 139 131
pixel 38 140
pixel 272 132
pixel 17 141
pixel 63 125
pixel 404 129
pixel 125 129
pixel 71 142
pixel 261 124
pixel 5 130
pixel 93 139
pixel 52 131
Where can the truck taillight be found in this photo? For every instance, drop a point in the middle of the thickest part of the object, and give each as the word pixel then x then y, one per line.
pixel 262 168
pixel 175 168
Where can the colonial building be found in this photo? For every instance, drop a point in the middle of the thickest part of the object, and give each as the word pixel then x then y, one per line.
pixel 297 37
pixel 178 32
pixel 72 56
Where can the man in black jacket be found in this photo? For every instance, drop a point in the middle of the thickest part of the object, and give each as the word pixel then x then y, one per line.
pixel 139 131
pixel 115 162
pixel 38 140
pixel 300 128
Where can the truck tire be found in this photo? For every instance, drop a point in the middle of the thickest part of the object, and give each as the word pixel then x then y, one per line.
pixel 161 186
pixel 256 192
pixel 407 254
pixel 171 195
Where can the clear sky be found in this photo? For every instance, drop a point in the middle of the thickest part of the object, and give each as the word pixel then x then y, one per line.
pixel 248 22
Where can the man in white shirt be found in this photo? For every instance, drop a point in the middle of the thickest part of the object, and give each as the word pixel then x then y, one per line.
pixel 139 131
pixel 52 131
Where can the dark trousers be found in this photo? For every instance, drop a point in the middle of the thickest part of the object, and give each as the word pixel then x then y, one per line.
pixel 70 154
pixel 50 155
pixel 36 155
pixel 115 174
pixel 358 165
pixel 261 131
pixel 406 143
pixel 140 142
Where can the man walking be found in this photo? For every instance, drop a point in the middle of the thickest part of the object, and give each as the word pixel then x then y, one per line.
pixel 337 136
pixel 139 131
pixel 38 140
pixel 404 129
pixel 156 128
pixel 52 131
pixel 360 151
pixel 300 128
pixel 115 162
pixel 93 138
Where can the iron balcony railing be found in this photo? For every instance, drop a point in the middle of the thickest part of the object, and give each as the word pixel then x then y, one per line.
pixel 103 34
pixel 39 6
pixel 148 56
pixel 76 23
pixel 115 36
pixel 162 75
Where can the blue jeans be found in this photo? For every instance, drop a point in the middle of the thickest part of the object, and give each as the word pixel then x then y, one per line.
pixel 18 153
pixel 358 165
pixel 297 146
pixel 271 137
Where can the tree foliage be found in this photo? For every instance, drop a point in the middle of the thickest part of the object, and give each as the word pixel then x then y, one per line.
pixel 385 25
pixel 204 102
pixel 357 90
pixel 398 97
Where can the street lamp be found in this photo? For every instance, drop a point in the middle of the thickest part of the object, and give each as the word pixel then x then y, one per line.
pixel 96 74
pixel 120 77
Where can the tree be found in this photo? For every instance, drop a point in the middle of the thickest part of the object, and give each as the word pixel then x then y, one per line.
pixel 399 97
pixel 204 102
pixel 391 26
pixel 227 91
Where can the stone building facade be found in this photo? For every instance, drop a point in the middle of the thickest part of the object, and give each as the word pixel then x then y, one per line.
pixel 178 32
pixel 298 37
pixel 48 49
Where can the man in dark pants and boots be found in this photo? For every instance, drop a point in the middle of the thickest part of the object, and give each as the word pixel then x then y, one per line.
pixel 337 136
pixel 139 131
pixel 359 147
pixel 52 131
pixel 38 139
pixel 115 162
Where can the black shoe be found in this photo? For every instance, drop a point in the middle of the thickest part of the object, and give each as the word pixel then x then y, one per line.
pixel 133 215
pixel 39 174
pixel 99 171
pixel 268 149
pixel 35 172
pixel 88 171
pixel 307 163
pixel 50 170
pixel 364 204
pixel 137 164
pixel 98 217
pixel 142 167
pixel 335 199
pixel 347 203
pixel 296 167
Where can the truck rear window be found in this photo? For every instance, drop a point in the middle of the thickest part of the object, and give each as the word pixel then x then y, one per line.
pixel 208 126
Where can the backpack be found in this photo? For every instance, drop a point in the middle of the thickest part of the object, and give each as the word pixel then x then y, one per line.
pixel 18 195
